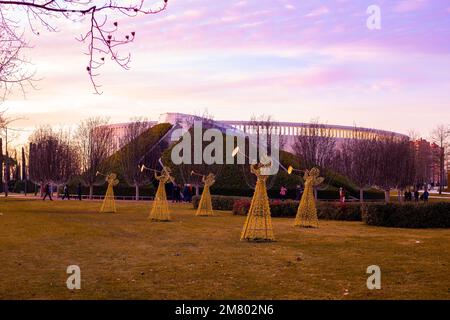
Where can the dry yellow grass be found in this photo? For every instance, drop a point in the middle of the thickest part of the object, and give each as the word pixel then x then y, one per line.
pixel 124 256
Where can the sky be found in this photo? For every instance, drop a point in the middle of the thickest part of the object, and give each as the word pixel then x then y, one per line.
pixel 294 60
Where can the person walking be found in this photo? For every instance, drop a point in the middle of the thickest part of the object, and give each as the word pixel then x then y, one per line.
pixel 177 191
pixel 66 193
pixel 187 195
pixel 416 195
pixel 408 195
pixel 426 195
pixel 341 195
pixel 283 192
pixel 298 192
pixel 47 192
pixel 79 191
pixel 174 190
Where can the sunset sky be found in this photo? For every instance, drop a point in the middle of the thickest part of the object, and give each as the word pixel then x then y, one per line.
pixel 295 60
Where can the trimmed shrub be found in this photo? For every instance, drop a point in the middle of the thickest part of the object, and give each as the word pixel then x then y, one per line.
pixel 338 211
pixel 325 211
pixel 19 186
pixel 224 203
pixel 430 215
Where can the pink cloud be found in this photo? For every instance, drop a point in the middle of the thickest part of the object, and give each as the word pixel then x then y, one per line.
pixel 409 5
pixel 323 10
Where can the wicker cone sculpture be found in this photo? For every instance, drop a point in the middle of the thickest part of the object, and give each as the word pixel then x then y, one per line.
pixel 307 212
pixel 160 208
pixel 258 225
pixel 205 204
pixel 109 203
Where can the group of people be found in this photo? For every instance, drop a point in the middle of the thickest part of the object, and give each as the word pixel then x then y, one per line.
pixel 185 193
pixel 417 196
pixel 47 191
pixel 180 194
pixel 298 192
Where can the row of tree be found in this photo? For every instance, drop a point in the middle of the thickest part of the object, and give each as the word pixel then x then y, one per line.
pixel 56 156
pixel 386 162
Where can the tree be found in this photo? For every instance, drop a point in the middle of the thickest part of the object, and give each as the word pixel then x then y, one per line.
pixel 315 146
pixel 1 164
pixel 265 127
pixel 440 136
pixel 94 141
pixel 266 124
pixel 24 171
pixel 53 158
pixel 395 167
pixel 24 165
pixel 13 67
pixel 358 161
pixel 102 33
pixel 131 154
pixel 405 172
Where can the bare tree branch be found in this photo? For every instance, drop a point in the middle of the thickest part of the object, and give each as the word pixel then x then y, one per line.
pixel 102 36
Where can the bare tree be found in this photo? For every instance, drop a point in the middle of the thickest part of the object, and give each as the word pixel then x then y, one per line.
pixel 95 143
pixel 315 146
pixel 358 162
pixel 1 163
pixel 424 159
pixel 395 166
pixel 102 32
pixel 132 152
pixel 53 158
pixel 5 121
pixel 265 127
pixel 266 124
pixel 385 165
pixel 13 66
pixel 440 136
pixel 405 172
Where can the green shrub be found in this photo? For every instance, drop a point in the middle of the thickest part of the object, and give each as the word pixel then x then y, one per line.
pixel 337 211
pixel 432 215
pixel 19 186
pixel 121 190
pixel 325 211
pixel 219 202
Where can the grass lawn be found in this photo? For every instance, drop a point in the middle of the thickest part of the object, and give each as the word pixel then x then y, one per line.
pixel 124 256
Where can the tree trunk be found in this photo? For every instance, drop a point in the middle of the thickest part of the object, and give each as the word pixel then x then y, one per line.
pixel 136 186
pixel 441 171
pixel 387 196
pixel 91 191
pixel 361 195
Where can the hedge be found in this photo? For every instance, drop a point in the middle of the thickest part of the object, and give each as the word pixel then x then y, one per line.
pixel 430 215
pixel 325 211
pixel 224 203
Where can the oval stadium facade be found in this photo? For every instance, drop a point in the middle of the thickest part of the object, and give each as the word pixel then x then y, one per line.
pixel 288 131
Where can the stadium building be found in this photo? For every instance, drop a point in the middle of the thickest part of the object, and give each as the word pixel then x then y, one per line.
pixel 288 131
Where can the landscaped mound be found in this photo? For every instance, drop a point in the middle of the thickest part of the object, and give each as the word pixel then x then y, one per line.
pixel 231 179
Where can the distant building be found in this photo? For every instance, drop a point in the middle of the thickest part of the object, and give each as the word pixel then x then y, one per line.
pixel 427 162
pixel 287 130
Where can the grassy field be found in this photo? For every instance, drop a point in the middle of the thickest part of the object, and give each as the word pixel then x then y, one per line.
pixel 124 256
